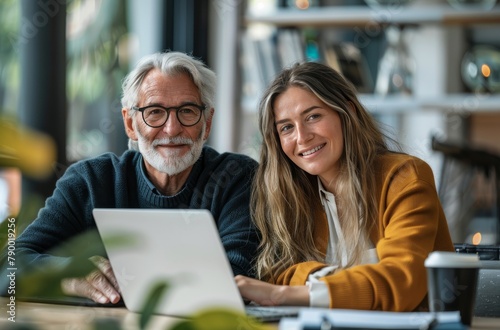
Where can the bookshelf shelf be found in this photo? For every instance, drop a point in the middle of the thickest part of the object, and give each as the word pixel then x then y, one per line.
pixel 466 103
pixel 341 16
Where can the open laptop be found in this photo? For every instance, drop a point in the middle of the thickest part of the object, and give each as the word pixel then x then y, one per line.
pixel 181 247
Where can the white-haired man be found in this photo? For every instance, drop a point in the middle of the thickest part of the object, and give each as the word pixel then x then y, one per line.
pixel 167 109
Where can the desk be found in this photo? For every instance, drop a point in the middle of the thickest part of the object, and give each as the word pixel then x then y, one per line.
pixel 50 316
pixel 42 316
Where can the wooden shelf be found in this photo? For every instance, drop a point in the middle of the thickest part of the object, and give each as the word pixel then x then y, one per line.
pixel 338 16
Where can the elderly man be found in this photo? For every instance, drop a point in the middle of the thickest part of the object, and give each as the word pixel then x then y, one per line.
pixel 168 106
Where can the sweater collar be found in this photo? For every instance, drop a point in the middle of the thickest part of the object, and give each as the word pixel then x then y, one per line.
pixel 150 185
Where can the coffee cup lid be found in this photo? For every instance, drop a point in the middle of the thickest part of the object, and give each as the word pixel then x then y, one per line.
pixel 452 259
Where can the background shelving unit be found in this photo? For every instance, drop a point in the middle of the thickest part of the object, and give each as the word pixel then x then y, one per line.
pixel 437 36
pixel 440 15
pixel 439 41
pixel 339 16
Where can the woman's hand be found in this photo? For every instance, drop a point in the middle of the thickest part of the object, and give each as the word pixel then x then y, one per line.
pixel 100 285
pixel 266 294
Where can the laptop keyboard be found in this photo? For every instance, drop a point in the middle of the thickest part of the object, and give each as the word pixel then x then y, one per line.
pixel 485 252
pixel 272 313
pixel 487 303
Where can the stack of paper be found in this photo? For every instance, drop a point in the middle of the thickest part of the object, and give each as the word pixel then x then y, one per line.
pixel 324 319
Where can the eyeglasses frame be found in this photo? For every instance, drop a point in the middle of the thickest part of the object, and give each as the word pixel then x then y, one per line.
pixel 201 107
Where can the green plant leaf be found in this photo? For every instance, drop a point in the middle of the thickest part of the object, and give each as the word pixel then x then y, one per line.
pixel 152 300
pixel 220 319
pixel 46 281
pixel 28 212
pixel 121 240
pixel 183 325
pixel 31 151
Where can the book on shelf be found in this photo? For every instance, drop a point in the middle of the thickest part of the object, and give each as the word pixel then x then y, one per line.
pixel 252 81
pixel 262 58
pixel 268 58
pixel 289 46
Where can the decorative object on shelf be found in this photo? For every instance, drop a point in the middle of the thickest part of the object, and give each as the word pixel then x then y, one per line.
pixel 396 67
pixel 346 58
pixel 387 3
pixel 481 69
pixel 311 45
pixel 302 4
pixel 472 4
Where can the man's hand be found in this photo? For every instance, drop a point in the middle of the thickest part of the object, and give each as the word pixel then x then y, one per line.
pixel 266 294
pixel 99 285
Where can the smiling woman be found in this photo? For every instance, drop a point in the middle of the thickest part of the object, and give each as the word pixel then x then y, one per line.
pixel 306 125
pixel 340 215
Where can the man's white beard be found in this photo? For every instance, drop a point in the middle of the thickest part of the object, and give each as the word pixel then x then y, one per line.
pixel 173 163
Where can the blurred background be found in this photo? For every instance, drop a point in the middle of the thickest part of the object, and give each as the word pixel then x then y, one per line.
pixel 429 71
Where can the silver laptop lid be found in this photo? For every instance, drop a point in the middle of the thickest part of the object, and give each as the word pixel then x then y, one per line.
pixel 181 247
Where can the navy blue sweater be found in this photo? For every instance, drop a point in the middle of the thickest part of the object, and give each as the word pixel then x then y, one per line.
pixel 219 183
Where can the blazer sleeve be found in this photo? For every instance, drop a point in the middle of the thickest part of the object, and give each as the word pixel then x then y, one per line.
pixel 298 273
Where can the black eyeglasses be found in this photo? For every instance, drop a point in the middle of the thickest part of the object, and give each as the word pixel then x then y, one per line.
pixel 155 116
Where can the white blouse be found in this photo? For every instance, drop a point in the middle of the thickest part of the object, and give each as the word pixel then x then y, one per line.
pixel 318 290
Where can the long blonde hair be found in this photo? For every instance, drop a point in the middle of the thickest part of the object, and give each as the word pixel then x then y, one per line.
pixel 285 199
